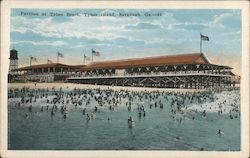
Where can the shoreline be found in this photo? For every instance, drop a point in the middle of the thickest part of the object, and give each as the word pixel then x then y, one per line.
pixel 71 86
pixel 223 100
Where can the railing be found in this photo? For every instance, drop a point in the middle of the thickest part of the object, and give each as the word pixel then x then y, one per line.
pixel 173 73
pixel 48 73
pixel 170 73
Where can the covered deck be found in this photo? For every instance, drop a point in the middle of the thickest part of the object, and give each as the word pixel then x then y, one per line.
pixel 176 71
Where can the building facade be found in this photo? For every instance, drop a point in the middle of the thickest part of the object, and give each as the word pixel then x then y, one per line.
pixel 192 71
pixel 47 72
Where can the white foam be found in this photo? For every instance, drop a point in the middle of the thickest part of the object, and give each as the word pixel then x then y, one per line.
pixel 225 101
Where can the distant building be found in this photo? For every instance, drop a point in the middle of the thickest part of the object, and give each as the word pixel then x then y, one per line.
pixel 192 71
pixel 47 72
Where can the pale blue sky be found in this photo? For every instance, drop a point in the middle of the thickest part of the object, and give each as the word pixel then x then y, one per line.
pixel 175 32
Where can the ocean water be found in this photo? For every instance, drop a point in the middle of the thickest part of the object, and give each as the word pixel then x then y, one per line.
pixel 109 130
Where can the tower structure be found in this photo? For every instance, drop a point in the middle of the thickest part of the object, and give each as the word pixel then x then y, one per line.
pixel 13 61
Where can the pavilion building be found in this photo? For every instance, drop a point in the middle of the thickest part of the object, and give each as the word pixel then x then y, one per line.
pixel 47 72
pixel 193 71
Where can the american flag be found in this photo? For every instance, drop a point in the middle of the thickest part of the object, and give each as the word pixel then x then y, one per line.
pixel 96 53
pixel 204 38
pixel 49 61
pixel 87 58
pixel 33 59
pixel 60 55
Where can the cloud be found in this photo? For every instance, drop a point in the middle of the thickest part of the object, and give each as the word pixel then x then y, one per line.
pixel 227 20
pixel 219 23
pixel 143 25
pixel 88 46
pixel 100 28
pixel 128 41
pixel 219 18
pixel 188 26
pixel 119 30
pixel 39 43
pixel 19 29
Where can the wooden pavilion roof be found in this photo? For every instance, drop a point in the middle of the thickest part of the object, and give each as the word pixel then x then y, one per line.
pixel 52 65
pixel 195 58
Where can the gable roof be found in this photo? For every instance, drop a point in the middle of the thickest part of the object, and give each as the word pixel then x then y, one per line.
pixel 52 65
pixel 196 58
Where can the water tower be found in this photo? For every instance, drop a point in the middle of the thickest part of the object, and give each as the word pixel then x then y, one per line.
pixel 13 61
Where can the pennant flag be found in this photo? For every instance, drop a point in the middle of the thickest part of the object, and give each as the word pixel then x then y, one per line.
pixel 87 58
pixel 96 53
pixel 204 38
pixel 49 61
pixel 60 55
pixel 33 59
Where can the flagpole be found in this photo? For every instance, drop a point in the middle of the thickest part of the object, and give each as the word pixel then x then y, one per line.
pixel 84 59
pixel 30 60
pixel 200 44
pixel 57 57
pixel 92 56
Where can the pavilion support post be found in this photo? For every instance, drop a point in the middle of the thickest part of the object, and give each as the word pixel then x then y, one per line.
pixel 219 81
pixel 175 69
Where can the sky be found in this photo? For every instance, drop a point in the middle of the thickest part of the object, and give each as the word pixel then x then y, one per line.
pixel 122 34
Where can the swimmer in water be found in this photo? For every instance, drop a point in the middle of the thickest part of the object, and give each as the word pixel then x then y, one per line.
pixel 88 118
pixel 130 119
pixel 178 138
pixel 129 108
pixel 92 116
pixel 84 111
pixel 30 108
pixel 52 113
pixel 220 132
pixel 95 109
pixel 130 122
pixel 65 116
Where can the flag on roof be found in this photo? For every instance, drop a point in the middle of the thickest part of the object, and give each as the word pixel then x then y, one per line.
pixel 49 61
pixel 204 38
pixel 60 55
pixel 96 53
pixel 87 58
pixel 33 59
